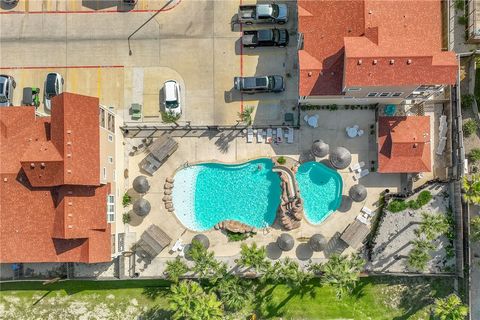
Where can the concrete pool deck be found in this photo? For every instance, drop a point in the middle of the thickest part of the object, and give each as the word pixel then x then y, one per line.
pixel 232 147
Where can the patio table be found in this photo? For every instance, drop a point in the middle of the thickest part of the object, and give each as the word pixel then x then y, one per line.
pixel 352 132
pixel 313 122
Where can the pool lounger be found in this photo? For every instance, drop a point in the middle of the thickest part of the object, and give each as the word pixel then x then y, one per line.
pixel 269 136
pixel 289 135
pixel 260 135
pixel 361 174
pixel 357 166
pixel 367 211
pixel 279 135
pixel 249 135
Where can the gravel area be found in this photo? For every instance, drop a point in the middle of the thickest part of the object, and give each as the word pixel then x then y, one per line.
pixel 397 230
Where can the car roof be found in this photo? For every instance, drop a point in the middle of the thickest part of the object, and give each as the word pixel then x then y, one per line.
pixel 170 90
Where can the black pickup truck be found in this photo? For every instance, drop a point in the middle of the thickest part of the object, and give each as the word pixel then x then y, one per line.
pixel 265 38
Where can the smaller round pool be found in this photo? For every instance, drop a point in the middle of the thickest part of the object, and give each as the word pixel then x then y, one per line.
pixel 320 189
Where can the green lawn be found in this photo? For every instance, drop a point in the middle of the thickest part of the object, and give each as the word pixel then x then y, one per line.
pixel 374 298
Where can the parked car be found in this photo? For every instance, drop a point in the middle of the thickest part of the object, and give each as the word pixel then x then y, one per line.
pixel 53 87
pixel 130 2
pixel 172 97
pixel 7 84
pixel 259 84
pixel 265 38
pixel 10 1
pixel 263 13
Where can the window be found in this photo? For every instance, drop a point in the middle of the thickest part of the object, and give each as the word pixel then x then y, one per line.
pixel 110 159
pixel 111 122
pixel 104 173
pixel 354 89
pixel 397 94
pixel 110 138
pixel 102 118
pixel 372 94
pixel 110 208
pixel 384 94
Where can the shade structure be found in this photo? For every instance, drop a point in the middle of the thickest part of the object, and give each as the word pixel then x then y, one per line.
pixel 203 239
pixel 358 192
pixel 340 158
pixel 141 207
pixel 317 242
pixel 320 149
pixel 285 242
pixel 140 184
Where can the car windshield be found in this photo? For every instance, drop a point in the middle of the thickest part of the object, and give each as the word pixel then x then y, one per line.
pixel 271 82
pixel 276 35
pixel 275 10
pixel 3 99
pixel 171 104
pixel 50 85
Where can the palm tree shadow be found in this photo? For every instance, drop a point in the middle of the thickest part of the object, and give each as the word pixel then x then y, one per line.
pixel 413 299
pixel 153 292
pixel 359 291
pixel 298 290
pixel 156 313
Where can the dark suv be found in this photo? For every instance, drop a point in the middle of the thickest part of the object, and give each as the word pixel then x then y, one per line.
pixel 265 38
pixel 259 84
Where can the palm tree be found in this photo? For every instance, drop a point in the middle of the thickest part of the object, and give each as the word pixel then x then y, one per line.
pixel 253 257
pixel 433 225
pixel 175 269
pixel 292 275
pixel 423 245
pixel 342 273
pixel 189 301
pixel 205 263
pixel 246 115
pixel 450 308
pixel 472 189
pixel 418 259
pixel 475 229
pixel 233 293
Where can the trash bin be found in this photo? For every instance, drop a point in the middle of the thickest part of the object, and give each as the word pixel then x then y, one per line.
pixel 27 99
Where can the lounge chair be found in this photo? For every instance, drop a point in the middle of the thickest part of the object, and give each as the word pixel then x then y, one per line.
pixel 357 166
pixel 361 174
pixel 136 111
pixel 260 135
pixel 360 132
pixel 289 135
pixel 306 118
pixel 249 135
pixel 178 245
pixel 363 219
pixel 279 135
pixel 367 211
pixel 269 136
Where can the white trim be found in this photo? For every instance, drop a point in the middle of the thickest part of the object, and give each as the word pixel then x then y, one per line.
pixel 354 89
pixel 104 173
pixel 110 208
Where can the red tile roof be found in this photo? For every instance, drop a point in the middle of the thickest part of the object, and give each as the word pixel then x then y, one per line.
pixel 337 34
pixel 48 213
pixel 404 144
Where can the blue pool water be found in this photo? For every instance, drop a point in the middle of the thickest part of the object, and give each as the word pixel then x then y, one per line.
pixel 206 194
pixel 320 189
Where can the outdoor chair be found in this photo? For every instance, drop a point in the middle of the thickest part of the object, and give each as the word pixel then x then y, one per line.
pixel 136 111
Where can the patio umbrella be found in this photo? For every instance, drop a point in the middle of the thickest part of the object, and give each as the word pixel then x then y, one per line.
pixel 285 242
pixel 358 192
pixel 140 184
pixel 340 158
pixel 141 207
pixel 203 239
pixel 317 242
pixel 320 149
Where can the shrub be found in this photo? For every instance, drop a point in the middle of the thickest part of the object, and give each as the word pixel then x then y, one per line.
pixel 467 101
pixel 460 5
pixel 474 155
pixel 126 199
pixel 246 115
pixel 126 218
pixel 234 236
pixel 463 20
pixel 423 198
pixel 281 160
pixel 469 127
pixel 169 117
pixel 397 205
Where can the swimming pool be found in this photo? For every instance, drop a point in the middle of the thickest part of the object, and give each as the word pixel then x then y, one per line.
pixel 320 189
pixel 206 194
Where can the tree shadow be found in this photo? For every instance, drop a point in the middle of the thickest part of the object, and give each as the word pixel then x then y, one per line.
pixel 154 292
pixel 155 313
pixel 41 298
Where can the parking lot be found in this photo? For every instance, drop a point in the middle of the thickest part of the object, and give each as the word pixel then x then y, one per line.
pixel 195 43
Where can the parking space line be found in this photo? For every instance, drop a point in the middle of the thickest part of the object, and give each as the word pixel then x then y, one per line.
pixel 61 67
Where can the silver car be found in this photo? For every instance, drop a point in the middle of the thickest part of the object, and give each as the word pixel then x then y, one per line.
pixel 7 84
pixel 53 87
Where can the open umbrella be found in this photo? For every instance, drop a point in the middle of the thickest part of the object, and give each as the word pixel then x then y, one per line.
pixel 141 207
pixel 340 158
pixel 320 149
pixel 285 242
pixel 203 239
pixel 317 242
pixel 140 184
pixel 358 192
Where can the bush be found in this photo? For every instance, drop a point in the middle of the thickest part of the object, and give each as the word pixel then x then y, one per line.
pixel 463 20
pixel 126 199
pixel 397 206
pixel 281 160
pixel 234 236
pixel 169 117
pixel 423 198
pixel 469 127
pixel 460 5
pixel 126 218
pixel 474 155
pixel 467 101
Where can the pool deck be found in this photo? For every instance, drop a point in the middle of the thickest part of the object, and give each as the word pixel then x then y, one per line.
pixel 231 148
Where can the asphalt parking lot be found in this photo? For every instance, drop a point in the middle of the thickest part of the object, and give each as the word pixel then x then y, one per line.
pixel 194 43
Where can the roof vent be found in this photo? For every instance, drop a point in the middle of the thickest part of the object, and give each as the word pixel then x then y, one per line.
pixel 370 12
pixel 374 61
pixel 5 179
pixel 42 165
pixel 309 73
pixel 415 145
pixel 70 192
pixel 409 61
pixel 70 226
pixel 32 165
pixel 359 62
pixel 70 203
pixel 392 61
pixel 69 155
pixel 69 131
pixel 69 171
pixel 69 143
pixel 333 73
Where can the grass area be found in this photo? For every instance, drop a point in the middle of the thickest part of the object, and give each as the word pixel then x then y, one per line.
pixel 374 298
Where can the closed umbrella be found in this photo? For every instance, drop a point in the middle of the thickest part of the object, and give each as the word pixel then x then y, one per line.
pixel 340 158
pixel 141 207
pixel 320 149
pixel 285 242
pixel 203 239
pixel 317 242
pixel 140 184
pixel 358 193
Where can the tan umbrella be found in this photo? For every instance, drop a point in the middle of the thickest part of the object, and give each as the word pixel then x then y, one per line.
pixel 285 242
pixel 317 242
pixel 358 193
pixel 141 207
pixel 140 184
pixel 320 149
pixel 340 158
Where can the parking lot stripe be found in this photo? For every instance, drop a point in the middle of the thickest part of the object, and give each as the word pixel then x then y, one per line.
pixel 60 67
pixel 241 62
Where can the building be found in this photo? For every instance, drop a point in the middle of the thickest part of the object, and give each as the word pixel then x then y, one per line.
pixel 404 144
pixel 473 27
pixel 57 197
pixel 366 51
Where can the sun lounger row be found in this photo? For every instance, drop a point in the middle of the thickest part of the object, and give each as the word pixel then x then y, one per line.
pixel 358 171
pixel 366 215
pixel 269 135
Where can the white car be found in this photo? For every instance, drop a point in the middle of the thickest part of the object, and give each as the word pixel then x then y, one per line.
pixel 7 84
pixel 172 97
pixel 53 87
